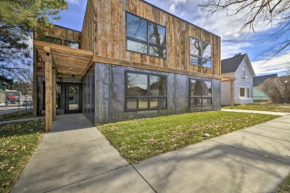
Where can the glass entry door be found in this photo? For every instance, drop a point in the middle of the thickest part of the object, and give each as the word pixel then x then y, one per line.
pixel 73 98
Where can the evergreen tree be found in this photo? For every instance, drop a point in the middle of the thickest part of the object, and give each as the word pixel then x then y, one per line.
pixel 18 19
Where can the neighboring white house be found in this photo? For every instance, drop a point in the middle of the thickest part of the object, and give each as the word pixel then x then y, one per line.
pixel 240 67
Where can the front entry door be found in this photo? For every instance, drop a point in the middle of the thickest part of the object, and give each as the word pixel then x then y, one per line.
pixel 73 98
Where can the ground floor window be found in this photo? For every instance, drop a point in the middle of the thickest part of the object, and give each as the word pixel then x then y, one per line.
pixel 244 92
pixel 145 91
pixel 200 93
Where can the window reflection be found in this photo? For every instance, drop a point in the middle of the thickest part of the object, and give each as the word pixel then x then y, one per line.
pixel 157 85
pixel 200 53
pixel 136 84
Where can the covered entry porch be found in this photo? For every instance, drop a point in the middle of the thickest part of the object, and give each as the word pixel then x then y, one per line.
pixel 54 62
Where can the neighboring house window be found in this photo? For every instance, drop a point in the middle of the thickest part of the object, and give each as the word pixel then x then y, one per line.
pixel 145 91
pixel 72 44
pixel 145 37
pixel 53 40
pixel 242 92
pixel 200 93
pixel 243 71
pixel 200 53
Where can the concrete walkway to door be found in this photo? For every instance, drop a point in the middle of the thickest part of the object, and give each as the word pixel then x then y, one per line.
pixel 76 157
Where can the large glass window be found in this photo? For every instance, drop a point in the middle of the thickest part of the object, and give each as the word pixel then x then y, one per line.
pixel 145 37
pixel 72 44
pixel 145 91
pixel 200 53
pixel 53 40
pixel 200 93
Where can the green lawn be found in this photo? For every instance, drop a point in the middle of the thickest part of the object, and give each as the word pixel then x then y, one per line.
pixel 17 141
pixel 140 139
pixel 15 115
pixel 285 186
pixel 263 107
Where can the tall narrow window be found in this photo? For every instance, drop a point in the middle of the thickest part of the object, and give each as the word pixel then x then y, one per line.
pixel 145 37
pixel 243 71
pixel 242 92
pixel 200 93
pixel 145 91
pixel 248 92
pixel 200 53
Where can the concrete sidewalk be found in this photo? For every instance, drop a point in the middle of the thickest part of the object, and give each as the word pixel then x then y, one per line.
pixel 257 112
pixel 255 159
pixel 76 157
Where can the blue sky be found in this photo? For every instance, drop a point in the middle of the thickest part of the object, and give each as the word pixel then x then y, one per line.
pixel 227 27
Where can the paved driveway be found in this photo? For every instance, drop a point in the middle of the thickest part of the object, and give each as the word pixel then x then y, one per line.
pixel 77 158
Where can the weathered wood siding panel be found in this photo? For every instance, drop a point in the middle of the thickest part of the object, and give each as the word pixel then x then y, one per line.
pixel 60 33
pixel 87 38
pixel 110 36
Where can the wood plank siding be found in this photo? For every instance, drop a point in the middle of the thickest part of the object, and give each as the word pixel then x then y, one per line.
pixel 60 33
pixel 104 33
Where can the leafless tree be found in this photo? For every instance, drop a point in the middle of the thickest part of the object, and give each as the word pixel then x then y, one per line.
pixel 254 12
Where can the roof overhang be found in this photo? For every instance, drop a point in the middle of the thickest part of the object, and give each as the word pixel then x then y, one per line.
pixel 69 62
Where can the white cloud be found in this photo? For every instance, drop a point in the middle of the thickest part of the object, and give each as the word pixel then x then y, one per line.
pixel 275 65
pixel 73 1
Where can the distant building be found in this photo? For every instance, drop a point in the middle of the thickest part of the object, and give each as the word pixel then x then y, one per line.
pixel 258 95
pixel 2 94
pixel 241 68
pixel 12 96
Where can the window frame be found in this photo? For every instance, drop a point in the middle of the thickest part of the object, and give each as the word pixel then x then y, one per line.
pixel 245 88
pixel 243 71
pixel 148 97
pixel 199 57
pixel 65 41
pixel 53 38
pixel 201 96
pixel 143 41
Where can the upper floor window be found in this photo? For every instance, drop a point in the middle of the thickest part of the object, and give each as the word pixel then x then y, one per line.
pixel 145 91
pixel 244 71
pixel 200 93
pixel 53 40
pixel 145 37
pixel 200 53
pixel 72 44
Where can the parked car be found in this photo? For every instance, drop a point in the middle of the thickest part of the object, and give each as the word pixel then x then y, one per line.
pixel 2 104
pixel 27 103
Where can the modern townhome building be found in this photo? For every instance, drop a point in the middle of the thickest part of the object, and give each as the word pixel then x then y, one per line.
pixel 131 60
pixel 258 95
pixel 241 68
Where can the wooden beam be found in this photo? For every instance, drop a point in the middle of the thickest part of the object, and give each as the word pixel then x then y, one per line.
pixel 53 94
pixel 48 92
pixel 62 48
pixel 232 94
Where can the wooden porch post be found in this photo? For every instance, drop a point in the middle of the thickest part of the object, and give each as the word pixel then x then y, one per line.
pixel 34 85
pixel 232 94
pixel 53 93
pixel 48 90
